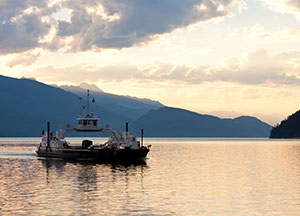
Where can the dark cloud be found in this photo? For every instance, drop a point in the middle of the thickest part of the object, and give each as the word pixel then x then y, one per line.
pixel 100 23
pixel 21 25
pixel 138 20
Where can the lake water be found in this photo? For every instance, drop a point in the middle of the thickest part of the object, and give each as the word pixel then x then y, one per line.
pixel 182 176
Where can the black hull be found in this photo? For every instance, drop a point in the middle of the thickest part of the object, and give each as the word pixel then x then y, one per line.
pixel 103 155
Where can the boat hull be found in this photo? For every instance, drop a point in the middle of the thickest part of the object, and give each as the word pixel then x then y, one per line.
pixel 107 155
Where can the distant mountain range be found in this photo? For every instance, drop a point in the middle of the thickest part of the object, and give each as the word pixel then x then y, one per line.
pixel 26 106
pixel 130 108
pixel 288 128
pixel 173 122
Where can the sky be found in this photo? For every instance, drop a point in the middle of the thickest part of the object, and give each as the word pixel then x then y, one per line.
pixel 221 57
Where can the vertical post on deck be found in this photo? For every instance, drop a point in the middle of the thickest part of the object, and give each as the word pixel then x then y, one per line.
pixel 48 136
pixel 142 136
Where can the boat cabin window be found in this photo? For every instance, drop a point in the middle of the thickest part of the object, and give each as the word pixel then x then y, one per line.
pixel 88 122
pixel 92 122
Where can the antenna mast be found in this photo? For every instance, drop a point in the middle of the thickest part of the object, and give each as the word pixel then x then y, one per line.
pixel 88 101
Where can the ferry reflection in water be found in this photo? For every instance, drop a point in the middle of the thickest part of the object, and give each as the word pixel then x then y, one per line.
pixel 89 187
pixel 181 177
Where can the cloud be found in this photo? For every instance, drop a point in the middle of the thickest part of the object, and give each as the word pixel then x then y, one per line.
pixel 98 24
pixel 258 32
pixel 256 68
pixel 124 23
pixel 91 74
pixel 21 24
pixel 24 59
pixel 284 6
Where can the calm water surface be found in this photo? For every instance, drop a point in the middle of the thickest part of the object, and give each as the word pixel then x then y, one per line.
pixel 181 177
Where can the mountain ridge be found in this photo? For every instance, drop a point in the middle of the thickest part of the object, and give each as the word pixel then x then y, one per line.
pixel 29 104
pixel 193 124
pixel 130 107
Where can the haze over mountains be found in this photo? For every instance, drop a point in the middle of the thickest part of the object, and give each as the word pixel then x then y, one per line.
pixel 26 106
pixel 129 107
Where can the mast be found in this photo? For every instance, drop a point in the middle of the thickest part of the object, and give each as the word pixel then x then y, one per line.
pixel 88 101
pixel 48 135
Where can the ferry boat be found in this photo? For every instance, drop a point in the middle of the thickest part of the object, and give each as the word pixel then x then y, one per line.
pixel 120 147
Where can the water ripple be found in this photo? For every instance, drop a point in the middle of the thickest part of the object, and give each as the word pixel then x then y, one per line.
pixel 181 177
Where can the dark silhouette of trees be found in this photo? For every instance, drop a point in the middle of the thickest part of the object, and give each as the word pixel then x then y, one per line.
pixel 288 128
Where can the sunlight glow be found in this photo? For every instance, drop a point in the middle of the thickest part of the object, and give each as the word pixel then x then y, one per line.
pixel 100 11
pixel 63 14
pixel 50 36
pixel 284 6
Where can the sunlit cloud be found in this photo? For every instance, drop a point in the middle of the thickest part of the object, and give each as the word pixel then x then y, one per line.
pixel 256 68
pixel 24 59
pixel 285 6
pixel 258 31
